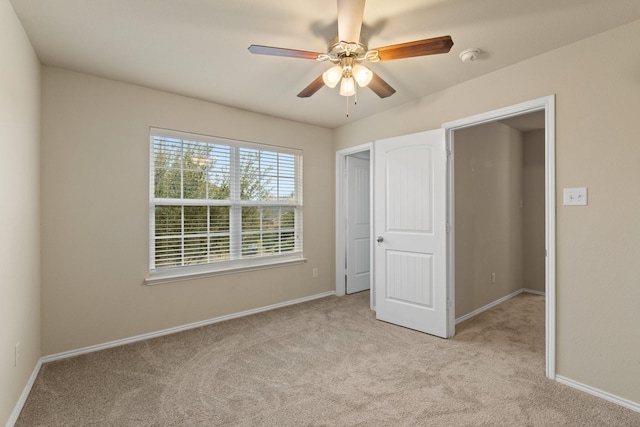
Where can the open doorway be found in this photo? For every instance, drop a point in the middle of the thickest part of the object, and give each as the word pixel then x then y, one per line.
pixel 499 216
pixel 354 220
pixel 545 105
pixel 358 223
pixel 512 116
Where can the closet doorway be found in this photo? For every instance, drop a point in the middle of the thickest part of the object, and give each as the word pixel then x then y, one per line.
pixel 518 118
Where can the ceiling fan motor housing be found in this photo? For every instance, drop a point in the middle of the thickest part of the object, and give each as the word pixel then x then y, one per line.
pixel 341 49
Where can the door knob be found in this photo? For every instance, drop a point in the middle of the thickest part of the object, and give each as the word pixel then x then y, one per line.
pixel 379 239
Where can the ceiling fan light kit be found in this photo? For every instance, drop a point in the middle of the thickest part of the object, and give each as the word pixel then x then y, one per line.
pixel 332 76
pixel 347 87
pixel 362 75
pixel 347 72
pixel 349 50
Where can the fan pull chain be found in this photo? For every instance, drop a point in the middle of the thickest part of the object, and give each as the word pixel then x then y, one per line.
pixel 355 100
pixel 347 105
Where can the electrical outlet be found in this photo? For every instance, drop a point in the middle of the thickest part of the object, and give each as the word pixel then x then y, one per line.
pixel 493 278
pixel 314 273
pixel 17 353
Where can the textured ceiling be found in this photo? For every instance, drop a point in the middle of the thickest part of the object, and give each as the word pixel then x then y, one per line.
pixel 198 48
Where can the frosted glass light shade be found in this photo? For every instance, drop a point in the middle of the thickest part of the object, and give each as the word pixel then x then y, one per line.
pixel 347 87
pixel 332 76
pixel 362 75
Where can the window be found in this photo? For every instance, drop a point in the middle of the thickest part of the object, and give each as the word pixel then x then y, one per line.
pixel 219 205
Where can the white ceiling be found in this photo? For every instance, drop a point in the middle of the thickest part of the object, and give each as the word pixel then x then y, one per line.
pixel 198 48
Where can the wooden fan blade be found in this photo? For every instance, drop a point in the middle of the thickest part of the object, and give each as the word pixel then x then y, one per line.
pixel 380 87
pixel 312 88
pixel 417 48
pixel 350 14
pixel 280 51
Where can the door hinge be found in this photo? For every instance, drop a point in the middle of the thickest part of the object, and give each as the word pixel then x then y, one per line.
pixel 448 228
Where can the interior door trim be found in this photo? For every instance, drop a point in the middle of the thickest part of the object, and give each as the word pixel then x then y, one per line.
pixel 546 104
pixel 341 209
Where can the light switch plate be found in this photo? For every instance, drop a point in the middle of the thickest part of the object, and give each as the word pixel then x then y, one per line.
pixel 575 196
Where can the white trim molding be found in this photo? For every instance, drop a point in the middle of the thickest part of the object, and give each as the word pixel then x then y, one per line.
pixel 25 394
pixel 72 353
pixel 634 406
pixel 496 302
pixel 27 389
pixel 340 249
pixel 208 271
pixel 168 331
pixel 488 306
pixel 546 104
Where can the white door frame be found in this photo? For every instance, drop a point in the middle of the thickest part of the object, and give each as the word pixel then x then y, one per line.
pixel 546 104
pixel 341 215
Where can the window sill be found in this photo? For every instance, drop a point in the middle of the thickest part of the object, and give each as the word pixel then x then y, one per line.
pixel 172 276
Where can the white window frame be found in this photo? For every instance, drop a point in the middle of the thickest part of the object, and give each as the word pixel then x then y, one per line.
pixel 237 263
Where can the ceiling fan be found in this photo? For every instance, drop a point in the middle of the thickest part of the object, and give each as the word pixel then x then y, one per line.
pixel 348 51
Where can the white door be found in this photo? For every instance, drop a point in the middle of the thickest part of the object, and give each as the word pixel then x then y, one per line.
pixel 410 229
pixel 358 225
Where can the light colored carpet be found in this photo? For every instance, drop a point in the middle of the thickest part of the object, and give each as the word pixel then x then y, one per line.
pixel 323 363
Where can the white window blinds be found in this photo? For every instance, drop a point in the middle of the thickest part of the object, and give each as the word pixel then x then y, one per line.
pixel 219 204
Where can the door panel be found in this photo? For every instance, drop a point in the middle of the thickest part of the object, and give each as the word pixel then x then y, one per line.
pixel 358 225
pixel 410 278
pixel 410 226
pixel 408 175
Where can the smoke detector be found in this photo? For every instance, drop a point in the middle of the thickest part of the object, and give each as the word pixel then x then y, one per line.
pixel 470 55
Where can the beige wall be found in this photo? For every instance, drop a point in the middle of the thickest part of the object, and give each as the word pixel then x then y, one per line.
pixel 597 87
pixel 533 211
pixel 95 193
pixel 19 209
pixel 488 216
pixel 94 179
pixel 496 167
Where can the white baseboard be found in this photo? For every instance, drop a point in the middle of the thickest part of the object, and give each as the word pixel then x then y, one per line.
pixel 599 393
pixel 488 306
pixel 23 397
pixel 116 343
pixel 64 355
pixel 25 393
pixel 496 302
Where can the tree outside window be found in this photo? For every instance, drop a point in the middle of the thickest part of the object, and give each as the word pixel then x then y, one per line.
pixel 215 202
